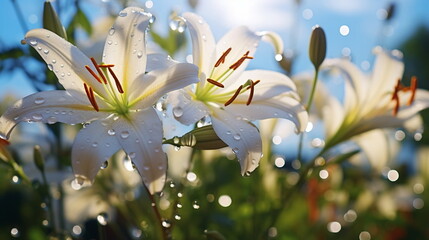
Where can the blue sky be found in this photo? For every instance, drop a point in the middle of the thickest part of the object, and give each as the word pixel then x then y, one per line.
pixel 363 18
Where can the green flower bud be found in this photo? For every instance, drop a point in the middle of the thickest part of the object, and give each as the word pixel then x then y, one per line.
pixel 52 22
pixel 390 12
pixel 38 158
pixel 203 138
pixel 317 49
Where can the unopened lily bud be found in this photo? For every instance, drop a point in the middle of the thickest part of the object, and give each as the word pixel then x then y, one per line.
pixel 317 49
pixel 203 138
pixel 390 11
pixel 52 22
pixel 38 158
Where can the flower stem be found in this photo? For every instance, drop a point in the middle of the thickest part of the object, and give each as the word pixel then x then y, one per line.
pixel 165 233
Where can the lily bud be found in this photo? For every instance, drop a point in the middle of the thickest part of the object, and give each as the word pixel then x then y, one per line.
pixel 203 138
pixel 38 158
pixel 390 11
pixel 52 22
pixel 317 49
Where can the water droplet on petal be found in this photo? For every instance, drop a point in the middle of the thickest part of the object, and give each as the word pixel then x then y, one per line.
pixel 111 132
pixel 39 100
pixel 123 14
pixel 54 61
pixel 109 42
pixel 139 54
pixel 125 134
pixel 50 67
pixel 37 117
pixel 177 111
pixel 278 57
pixel 94 144
pixel 152 19
pixel 132 155
pixel 52 120
pixel 111 31
pixel 176 140
pixel 104 165
pixel 177 217
pixel 237 137
pixel 33 43
pixel 46 51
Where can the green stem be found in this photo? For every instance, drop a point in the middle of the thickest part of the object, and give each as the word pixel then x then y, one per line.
pixel 313 90
pixel 165 233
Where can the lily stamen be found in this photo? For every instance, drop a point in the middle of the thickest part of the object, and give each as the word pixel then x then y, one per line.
pixel 99 70
pixel 222 58
pixel 234 96
pixel 215 83
pixel 252 90
pixel 91 97
pixel 399 87
pixel 413 88
pixel 106 65
pixel 240 61
pixel 93 74
pixel 118 84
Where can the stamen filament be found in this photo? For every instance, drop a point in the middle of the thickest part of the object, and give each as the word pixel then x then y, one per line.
pixel 215 83
pixel 118 84
pixel 93 74
pixel 222 58
pixel 413 88
pixel 90 94
pixel 240 61
pixel 99 70
pixel 252 90
pixel 234 96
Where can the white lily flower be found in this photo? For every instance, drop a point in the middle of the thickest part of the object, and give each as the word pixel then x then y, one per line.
pixel 116 97
pixel 372 101
pixel 233 97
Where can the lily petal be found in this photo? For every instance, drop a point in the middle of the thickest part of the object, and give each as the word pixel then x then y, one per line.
pixel 125 47
pixel 92 147
pixel 280 107
pixel 48 107
pixel 274 39
pixel 241 40
pixel 66 61
pixel 158 61
pixel 203 42
pixel 334 112
pixel 271 84
pixel 158 82
pixel 241 136
pixel 185 110
pixel 141 139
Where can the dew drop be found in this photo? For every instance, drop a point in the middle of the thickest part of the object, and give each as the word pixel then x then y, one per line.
pixel 50 67
pixel 278 57
pixel 177 111
pixel 63 75
pixel 111 132
pixel 94 144
pixel 195 205
pixel 33 43
pixel 237 137
pixel 166 223
pixel 109 42
pixel 37 117
pixel 39 100
pixel 139 54
pixel 146 168
pixel 125 134
pixel 102 218
pixel 111 31
pixel 123 14
pixel 54 61
pixel 160 167
pixel 177 217
pixel 52 120
pixel 104 165
pixel 46 51
pixel 178 25
pixel 39 48
pixel 132 155
pixel 128 164
pixel 14 232
pixel 152 19
pixel 176 140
